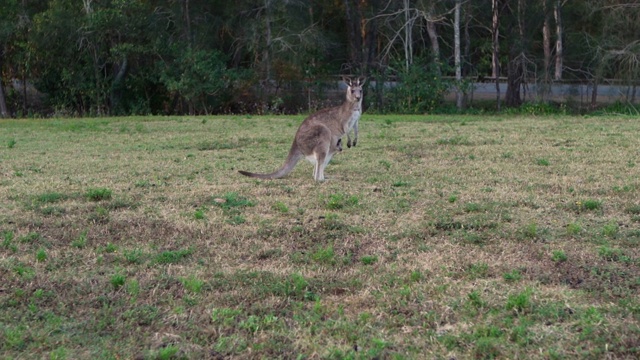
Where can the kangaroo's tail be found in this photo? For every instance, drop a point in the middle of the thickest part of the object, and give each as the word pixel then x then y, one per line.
pixel 292 159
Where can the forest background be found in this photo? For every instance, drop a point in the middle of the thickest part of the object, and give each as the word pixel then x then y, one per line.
pixel 140 57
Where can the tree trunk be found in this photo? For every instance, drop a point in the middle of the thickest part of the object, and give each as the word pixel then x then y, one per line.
pixel 456 41
pixel 354 31
pixel 187 20
pixel 596 81
pixel 433 38
pixel 514 80
pixel 546 47
pixel 266 56
pixel 117 84
pixel 517 62
pixel 4 112
pixel 559 47
pixel 467 38
pixel 496 48
pixel 371 40
pixel 408 39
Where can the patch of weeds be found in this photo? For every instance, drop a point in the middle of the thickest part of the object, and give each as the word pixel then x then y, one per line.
pixel 30 238
pixel 122 204
pixel 473 207
pixel 172 256
pixel 225 317
pixel 612 254
pixel 110 248
pixel 521 334
pixel 166 353
pixel 15 337
pixel 339 201
pixel 633 210
pixel 610 230
pixel 192 284
pixel 448 225
pixel 41 255
pixel 592 204
pixel 332 222
pixel 58 353
pixel 325 255
pixel 475 300
pixel 400 183
pixel 487 348
pixel 117 281
pixel 143 315
pixel 231 203
pixel 542 162
pixel 133 288
pixel 51 197
pixel 7 240
pixel 368 259
pixel 512 276
pixel 586 205
pixel 98 194
pixel 237 220
pixel 478 271
pixel 24 271
pixel 280 207
pixel 11 143
pixel 134 256
pixel 415 276
pixel 81 241
pixel 52 210
pixel 487 340
pixel 143 184
pixel 529 232
pixel 472 238
pixel 573 229
pixel 452 198
pixel 199 214
pixel 521 302
pixel 385 164
pixel 99 215
pixel 558 256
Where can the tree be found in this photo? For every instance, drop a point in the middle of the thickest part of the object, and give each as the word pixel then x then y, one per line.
pixel 496 6
pixel 6 29
pixel 516 66
pixel 557 13
pixel 458 66
pixel 546 48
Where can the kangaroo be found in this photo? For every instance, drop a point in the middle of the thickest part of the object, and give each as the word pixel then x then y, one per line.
pixel 357 112
pixel 319 136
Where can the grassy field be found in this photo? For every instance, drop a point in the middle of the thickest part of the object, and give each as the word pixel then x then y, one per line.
pixel 440 237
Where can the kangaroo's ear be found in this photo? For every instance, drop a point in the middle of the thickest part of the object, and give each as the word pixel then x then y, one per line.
pixel 347 80
pixel 361 80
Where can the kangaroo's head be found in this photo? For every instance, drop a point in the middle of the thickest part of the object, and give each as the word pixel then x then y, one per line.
pixel 354 88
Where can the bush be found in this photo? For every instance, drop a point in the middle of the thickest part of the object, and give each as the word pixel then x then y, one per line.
pixel 420 89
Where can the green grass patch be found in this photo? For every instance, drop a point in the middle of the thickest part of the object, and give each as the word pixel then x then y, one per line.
pixel 98 194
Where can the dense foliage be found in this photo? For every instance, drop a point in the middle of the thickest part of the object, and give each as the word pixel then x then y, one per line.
pixel 99 57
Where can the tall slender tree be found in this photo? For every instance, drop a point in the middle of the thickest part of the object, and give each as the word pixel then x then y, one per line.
pixel 557 13
pixel 496 6
pixel 458 64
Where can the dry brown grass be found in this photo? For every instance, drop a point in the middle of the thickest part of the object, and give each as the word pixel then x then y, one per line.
pixel 436 237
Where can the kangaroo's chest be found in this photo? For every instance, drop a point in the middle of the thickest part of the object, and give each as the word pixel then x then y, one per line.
pixel 355 116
